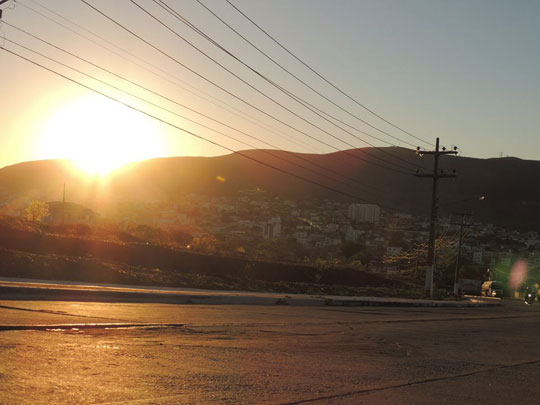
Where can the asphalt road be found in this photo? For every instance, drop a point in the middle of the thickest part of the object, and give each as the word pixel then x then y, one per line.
pixel 176 354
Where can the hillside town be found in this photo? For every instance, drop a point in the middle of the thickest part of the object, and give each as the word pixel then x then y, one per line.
pixel 257 224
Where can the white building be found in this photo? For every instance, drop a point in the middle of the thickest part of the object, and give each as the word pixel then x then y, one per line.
pixel 364 213
pixel 302 238
pixel 272 228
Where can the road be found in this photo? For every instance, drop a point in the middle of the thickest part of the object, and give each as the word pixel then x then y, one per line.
pixel 185 354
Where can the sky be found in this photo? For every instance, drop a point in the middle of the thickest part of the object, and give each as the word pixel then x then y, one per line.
pixel 465 71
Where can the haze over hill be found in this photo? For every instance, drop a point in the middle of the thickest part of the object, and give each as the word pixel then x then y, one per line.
pixel 511 186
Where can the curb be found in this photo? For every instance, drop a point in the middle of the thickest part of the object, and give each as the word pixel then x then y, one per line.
pixel 223 298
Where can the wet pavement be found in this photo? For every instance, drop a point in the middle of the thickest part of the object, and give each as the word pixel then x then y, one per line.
pixel 176 354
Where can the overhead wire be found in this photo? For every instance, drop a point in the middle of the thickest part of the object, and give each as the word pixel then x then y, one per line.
pixel 339 180
pixel 314 109
pixel 242 114
pixel 194 134
pixel 324 78
pixel 298 78
pixel 299 100
pixel 131 82
pixel 121 90
pixel 322 167
pixel 231 93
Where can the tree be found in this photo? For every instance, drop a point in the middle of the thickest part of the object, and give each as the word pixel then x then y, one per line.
pixel 37 211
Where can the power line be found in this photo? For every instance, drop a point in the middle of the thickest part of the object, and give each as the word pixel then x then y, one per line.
pixel 183 106
pixel 299 100
pixel 187 131
pixel 278 157
pixel 232 94
pixel 298 78
pixel 294 155
pixel 243 115
pixel 322 77
pixel 296 98
pixel 302 102
pixel 317 111
pixel 184 117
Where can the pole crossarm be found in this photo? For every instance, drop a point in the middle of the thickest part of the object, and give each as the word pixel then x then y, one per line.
pixel 2 2
pixel 435 152
pixel 438 176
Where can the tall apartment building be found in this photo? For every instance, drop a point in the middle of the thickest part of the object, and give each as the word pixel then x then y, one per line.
pixel 364 213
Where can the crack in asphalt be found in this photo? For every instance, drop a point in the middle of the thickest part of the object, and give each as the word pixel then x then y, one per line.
pixel 356 312
pixel 477 318
pixel 259 324
pixel 304 334
pixel 143 400
pixel 135 324
pixel 410 384
pixel 77 326
pixel 50 311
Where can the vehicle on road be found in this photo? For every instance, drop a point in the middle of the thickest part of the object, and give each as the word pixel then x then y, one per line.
pixel 492 289
pixel 529 294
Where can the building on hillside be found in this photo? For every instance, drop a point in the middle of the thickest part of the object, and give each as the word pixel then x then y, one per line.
pixel 365 213
pixel 325 241
pixel 70 213
pixel 302 238
pixel 393 250
pixel 478 257
pixel 272 228
pixel 354 234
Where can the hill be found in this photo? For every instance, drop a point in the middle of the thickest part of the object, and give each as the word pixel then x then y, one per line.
pixel 511 186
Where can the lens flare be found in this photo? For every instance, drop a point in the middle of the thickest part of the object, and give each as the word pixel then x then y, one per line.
pixel 518 274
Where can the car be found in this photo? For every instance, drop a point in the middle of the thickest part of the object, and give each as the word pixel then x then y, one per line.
pixel 492 289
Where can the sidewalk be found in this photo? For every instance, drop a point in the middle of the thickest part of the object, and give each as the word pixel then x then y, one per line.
pixel 32 290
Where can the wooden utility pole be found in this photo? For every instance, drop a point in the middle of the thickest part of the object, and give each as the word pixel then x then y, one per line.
pixel 3 4
pixel 436 175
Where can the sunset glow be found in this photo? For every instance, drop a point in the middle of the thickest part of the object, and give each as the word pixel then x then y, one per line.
pixel 99 135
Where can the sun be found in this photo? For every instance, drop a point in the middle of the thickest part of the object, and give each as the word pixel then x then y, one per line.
pixel 99 135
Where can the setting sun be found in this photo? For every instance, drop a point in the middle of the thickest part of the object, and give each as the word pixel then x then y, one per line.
pixel 99 135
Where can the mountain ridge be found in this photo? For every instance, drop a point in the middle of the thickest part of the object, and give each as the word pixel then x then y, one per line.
pixel 511 185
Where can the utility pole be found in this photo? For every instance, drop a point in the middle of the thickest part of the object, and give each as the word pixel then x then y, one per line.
pixel 436 175
pixel 3 4
pixel 458 259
